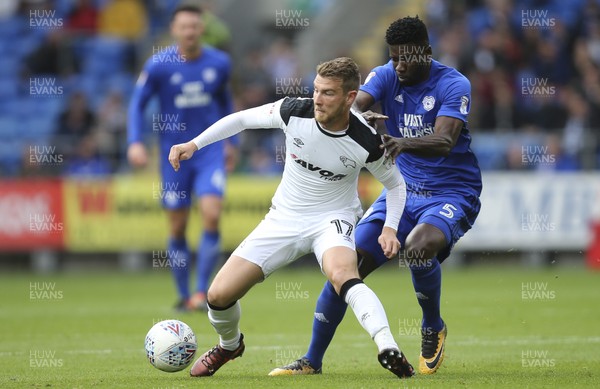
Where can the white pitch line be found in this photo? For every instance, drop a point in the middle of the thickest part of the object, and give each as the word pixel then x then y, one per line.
pixel 71 352
pixel 472 341
pixel 77 352
pixel 294 347
pixel 526 341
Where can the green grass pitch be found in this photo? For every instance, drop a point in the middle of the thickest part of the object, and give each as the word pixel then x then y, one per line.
pixel 508 327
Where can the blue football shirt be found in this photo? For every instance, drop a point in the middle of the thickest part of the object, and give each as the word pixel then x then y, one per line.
pixel 412 111
pixel 193 94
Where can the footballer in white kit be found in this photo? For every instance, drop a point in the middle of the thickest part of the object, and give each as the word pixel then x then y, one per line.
pixel 316 205
pixel 314 209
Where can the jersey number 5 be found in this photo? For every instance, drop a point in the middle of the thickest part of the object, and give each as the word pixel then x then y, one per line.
pixel 448 211
pixel 338 224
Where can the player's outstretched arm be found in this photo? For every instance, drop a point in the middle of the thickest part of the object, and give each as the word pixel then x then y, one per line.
pixel 181 152
pixel 266 116
pixel 362 103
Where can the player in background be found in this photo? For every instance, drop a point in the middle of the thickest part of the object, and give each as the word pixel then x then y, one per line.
pixel 191 82
pixel 314 209
pixel 425 106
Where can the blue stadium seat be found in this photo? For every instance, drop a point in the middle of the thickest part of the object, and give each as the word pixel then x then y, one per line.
pixel 63 7
pixel 51 108
pixel 39 128
pixel 11 156
pixel 122 82
pixel 9 87
pixel 13 28
pixel 490 150
pixel 26 44
pixel 90 85
pixel 105 57
pixel 24 107
pixel 9 66
pixel 5 46
pixel 10 127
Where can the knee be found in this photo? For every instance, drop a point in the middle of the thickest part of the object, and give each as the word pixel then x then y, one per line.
pixel 338 278
pixel 211 220
pixel 421 247
pixel 178 229
pixel 217 296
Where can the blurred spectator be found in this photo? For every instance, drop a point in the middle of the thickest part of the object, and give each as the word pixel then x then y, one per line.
pixel 86 161
pixel 121 25
pixel 576 123
pixel 557 158
pixel 216 33
pixel 501 46
pixel 281 61
pixel 83 18
pixel 125 19
pixel 112 128
pixel 74 124
pixel 25 6
pixel 255 84
pixel 8 8
pixel 52 57
pixel 264 163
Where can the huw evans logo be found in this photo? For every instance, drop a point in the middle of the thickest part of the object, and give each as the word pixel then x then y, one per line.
pixel 290 19
pixel 537 222
pixel 537 86
pixel 536 291
pixel 536 358
pixel 44 19
pixel 537 155
pixel 171 259
pixel 290 86
pixel 536 18
pixel 290 291
pixel 44 86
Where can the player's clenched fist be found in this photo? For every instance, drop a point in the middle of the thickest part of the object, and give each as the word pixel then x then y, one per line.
pixel 389 242
pixel 181 152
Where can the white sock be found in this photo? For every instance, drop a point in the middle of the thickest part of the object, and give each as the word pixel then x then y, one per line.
pixel 371 315
pixel 226 323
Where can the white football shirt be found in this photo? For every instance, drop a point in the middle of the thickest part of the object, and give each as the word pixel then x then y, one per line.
pixel 321 167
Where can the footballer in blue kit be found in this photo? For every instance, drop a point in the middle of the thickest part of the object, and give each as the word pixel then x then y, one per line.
pixel 191 83
pixel 425 106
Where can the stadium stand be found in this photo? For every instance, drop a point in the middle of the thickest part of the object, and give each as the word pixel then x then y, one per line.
pixel 538 83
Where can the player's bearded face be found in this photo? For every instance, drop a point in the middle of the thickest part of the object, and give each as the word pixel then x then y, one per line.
pixel 331 102
pixel 187 28
pixel 411 62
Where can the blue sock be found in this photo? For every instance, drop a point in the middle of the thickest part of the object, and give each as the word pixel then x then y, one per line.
pixel 180 259
pixel 329 313
pixel 427 281
pixel 208 256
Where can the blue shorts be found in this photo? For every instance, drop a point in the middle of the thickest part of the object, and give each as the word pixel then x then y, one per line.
pixel 205 176
pixel 453 214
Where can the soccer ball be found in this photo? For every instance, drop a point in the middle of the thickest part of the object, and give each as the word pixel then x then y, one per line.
pixel 170 345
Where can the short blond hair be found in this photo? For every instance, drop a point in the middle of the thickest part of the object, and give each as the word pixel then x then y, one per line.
pixel 342 68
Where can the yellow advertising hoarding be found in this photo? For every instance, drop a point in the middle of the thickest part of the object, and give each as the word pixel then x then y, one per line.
pixel 124 213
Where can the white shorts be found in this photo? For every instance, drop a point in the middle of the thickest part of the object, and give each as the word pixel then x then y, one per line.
pixel 281 239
